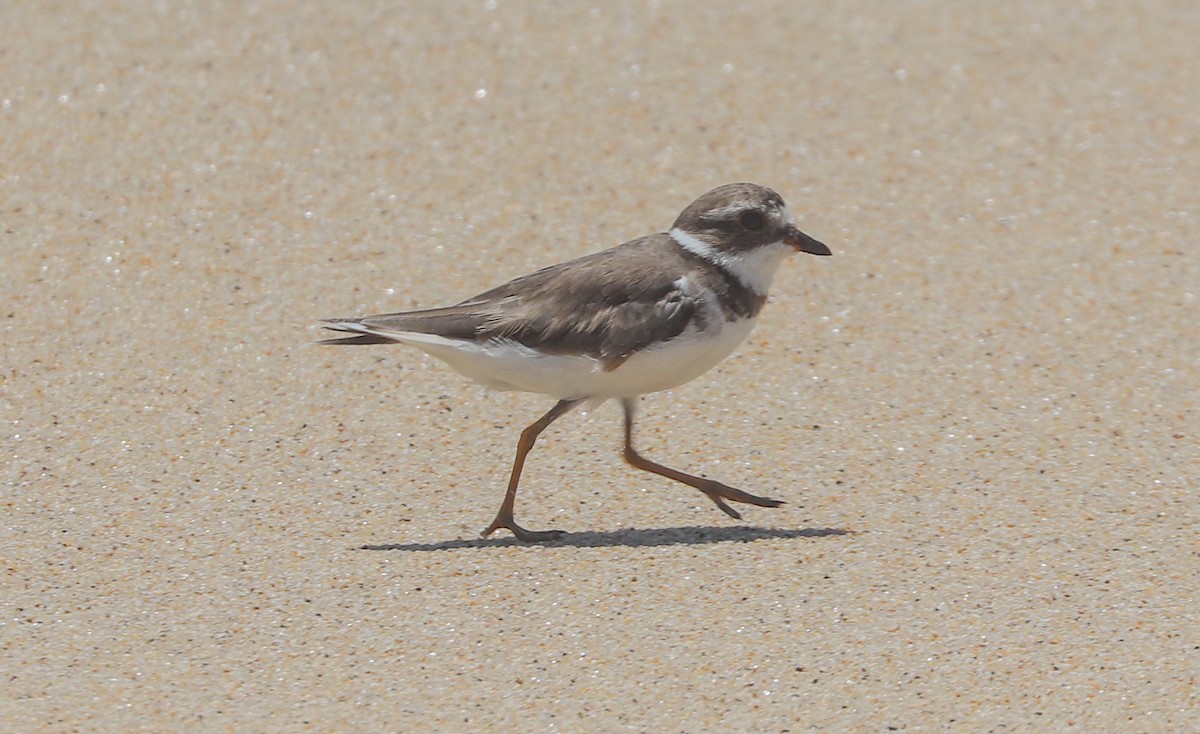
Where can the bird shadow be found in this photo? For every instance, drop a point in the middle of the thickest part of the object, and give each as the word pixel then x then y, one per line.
pixel 626 537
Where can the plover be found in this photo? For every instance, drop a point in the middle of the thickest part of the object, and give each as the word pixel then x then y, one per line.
pixel 644 316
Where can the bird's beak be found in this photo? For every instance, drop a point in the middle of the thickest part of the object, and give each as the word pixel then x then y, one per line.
pixel 804 243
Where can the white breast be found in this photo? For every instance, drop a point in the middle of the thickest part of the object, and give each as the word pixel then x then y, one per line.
pixel 507 365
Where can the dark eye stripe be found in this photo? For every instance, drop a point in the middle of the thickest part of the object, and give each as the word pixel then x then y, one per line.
pixel 752 220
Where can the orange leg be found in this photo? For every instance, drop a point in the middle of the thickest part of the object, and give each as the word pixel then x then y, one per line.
pixel 504 518
pixel 715 491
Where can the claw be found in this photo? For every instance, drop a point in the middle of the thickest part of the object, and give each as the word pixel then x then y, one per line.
pixel 521 534
pixel 719 492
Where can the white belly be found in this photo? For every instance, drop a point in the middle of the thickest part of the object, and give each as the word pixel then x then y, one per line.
pixel 506 365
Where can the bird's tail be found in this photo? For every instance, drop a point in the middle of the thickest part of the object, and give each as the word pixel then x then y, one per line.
pixel 361 335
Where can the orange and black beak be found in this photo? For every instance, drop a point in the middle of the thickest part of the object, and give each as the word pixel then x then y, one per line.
pixel 804 243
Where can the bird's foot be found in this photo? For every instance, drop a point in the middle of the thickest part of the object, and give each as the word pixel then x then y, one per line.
pixel 718 493
pixel 521 534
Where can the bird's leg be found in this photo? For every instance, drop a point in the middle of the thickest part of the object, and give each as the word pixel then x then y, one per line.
pixel 504 518
pixel 715 491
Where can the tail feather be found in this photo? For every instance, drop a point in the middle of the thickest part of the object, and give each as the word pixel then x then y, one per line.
pixel 357 340
pixel 361 335
pixel 451 322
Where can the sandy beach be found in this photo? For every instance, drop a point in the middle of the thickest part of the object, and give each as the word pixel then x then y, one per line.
pixel 982 411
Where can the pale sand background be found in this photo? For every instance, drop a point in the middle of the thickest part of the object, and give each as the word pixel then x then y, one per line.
pixel 994 527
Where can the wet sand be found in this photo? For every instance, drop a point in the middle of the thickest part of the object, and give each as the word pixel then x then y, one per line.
pixel 982 411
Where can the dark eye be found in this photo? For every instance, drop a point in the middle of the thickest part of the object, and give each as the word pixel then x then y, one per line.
pixel 752 221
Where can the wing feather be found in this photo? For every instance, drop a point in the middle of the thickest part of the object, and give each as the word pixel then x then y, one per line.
pixel 606 305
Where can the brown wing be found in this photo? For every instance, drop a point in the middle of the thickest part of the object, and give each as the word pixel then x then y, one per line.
pixel 606 305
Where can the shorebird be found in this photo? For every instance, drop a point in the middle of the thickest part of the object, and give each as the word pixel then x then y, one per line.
pixel 648 315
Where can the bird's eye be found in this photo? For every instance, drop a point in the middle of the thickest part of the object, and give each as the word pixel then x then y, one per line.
pixel 752 221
